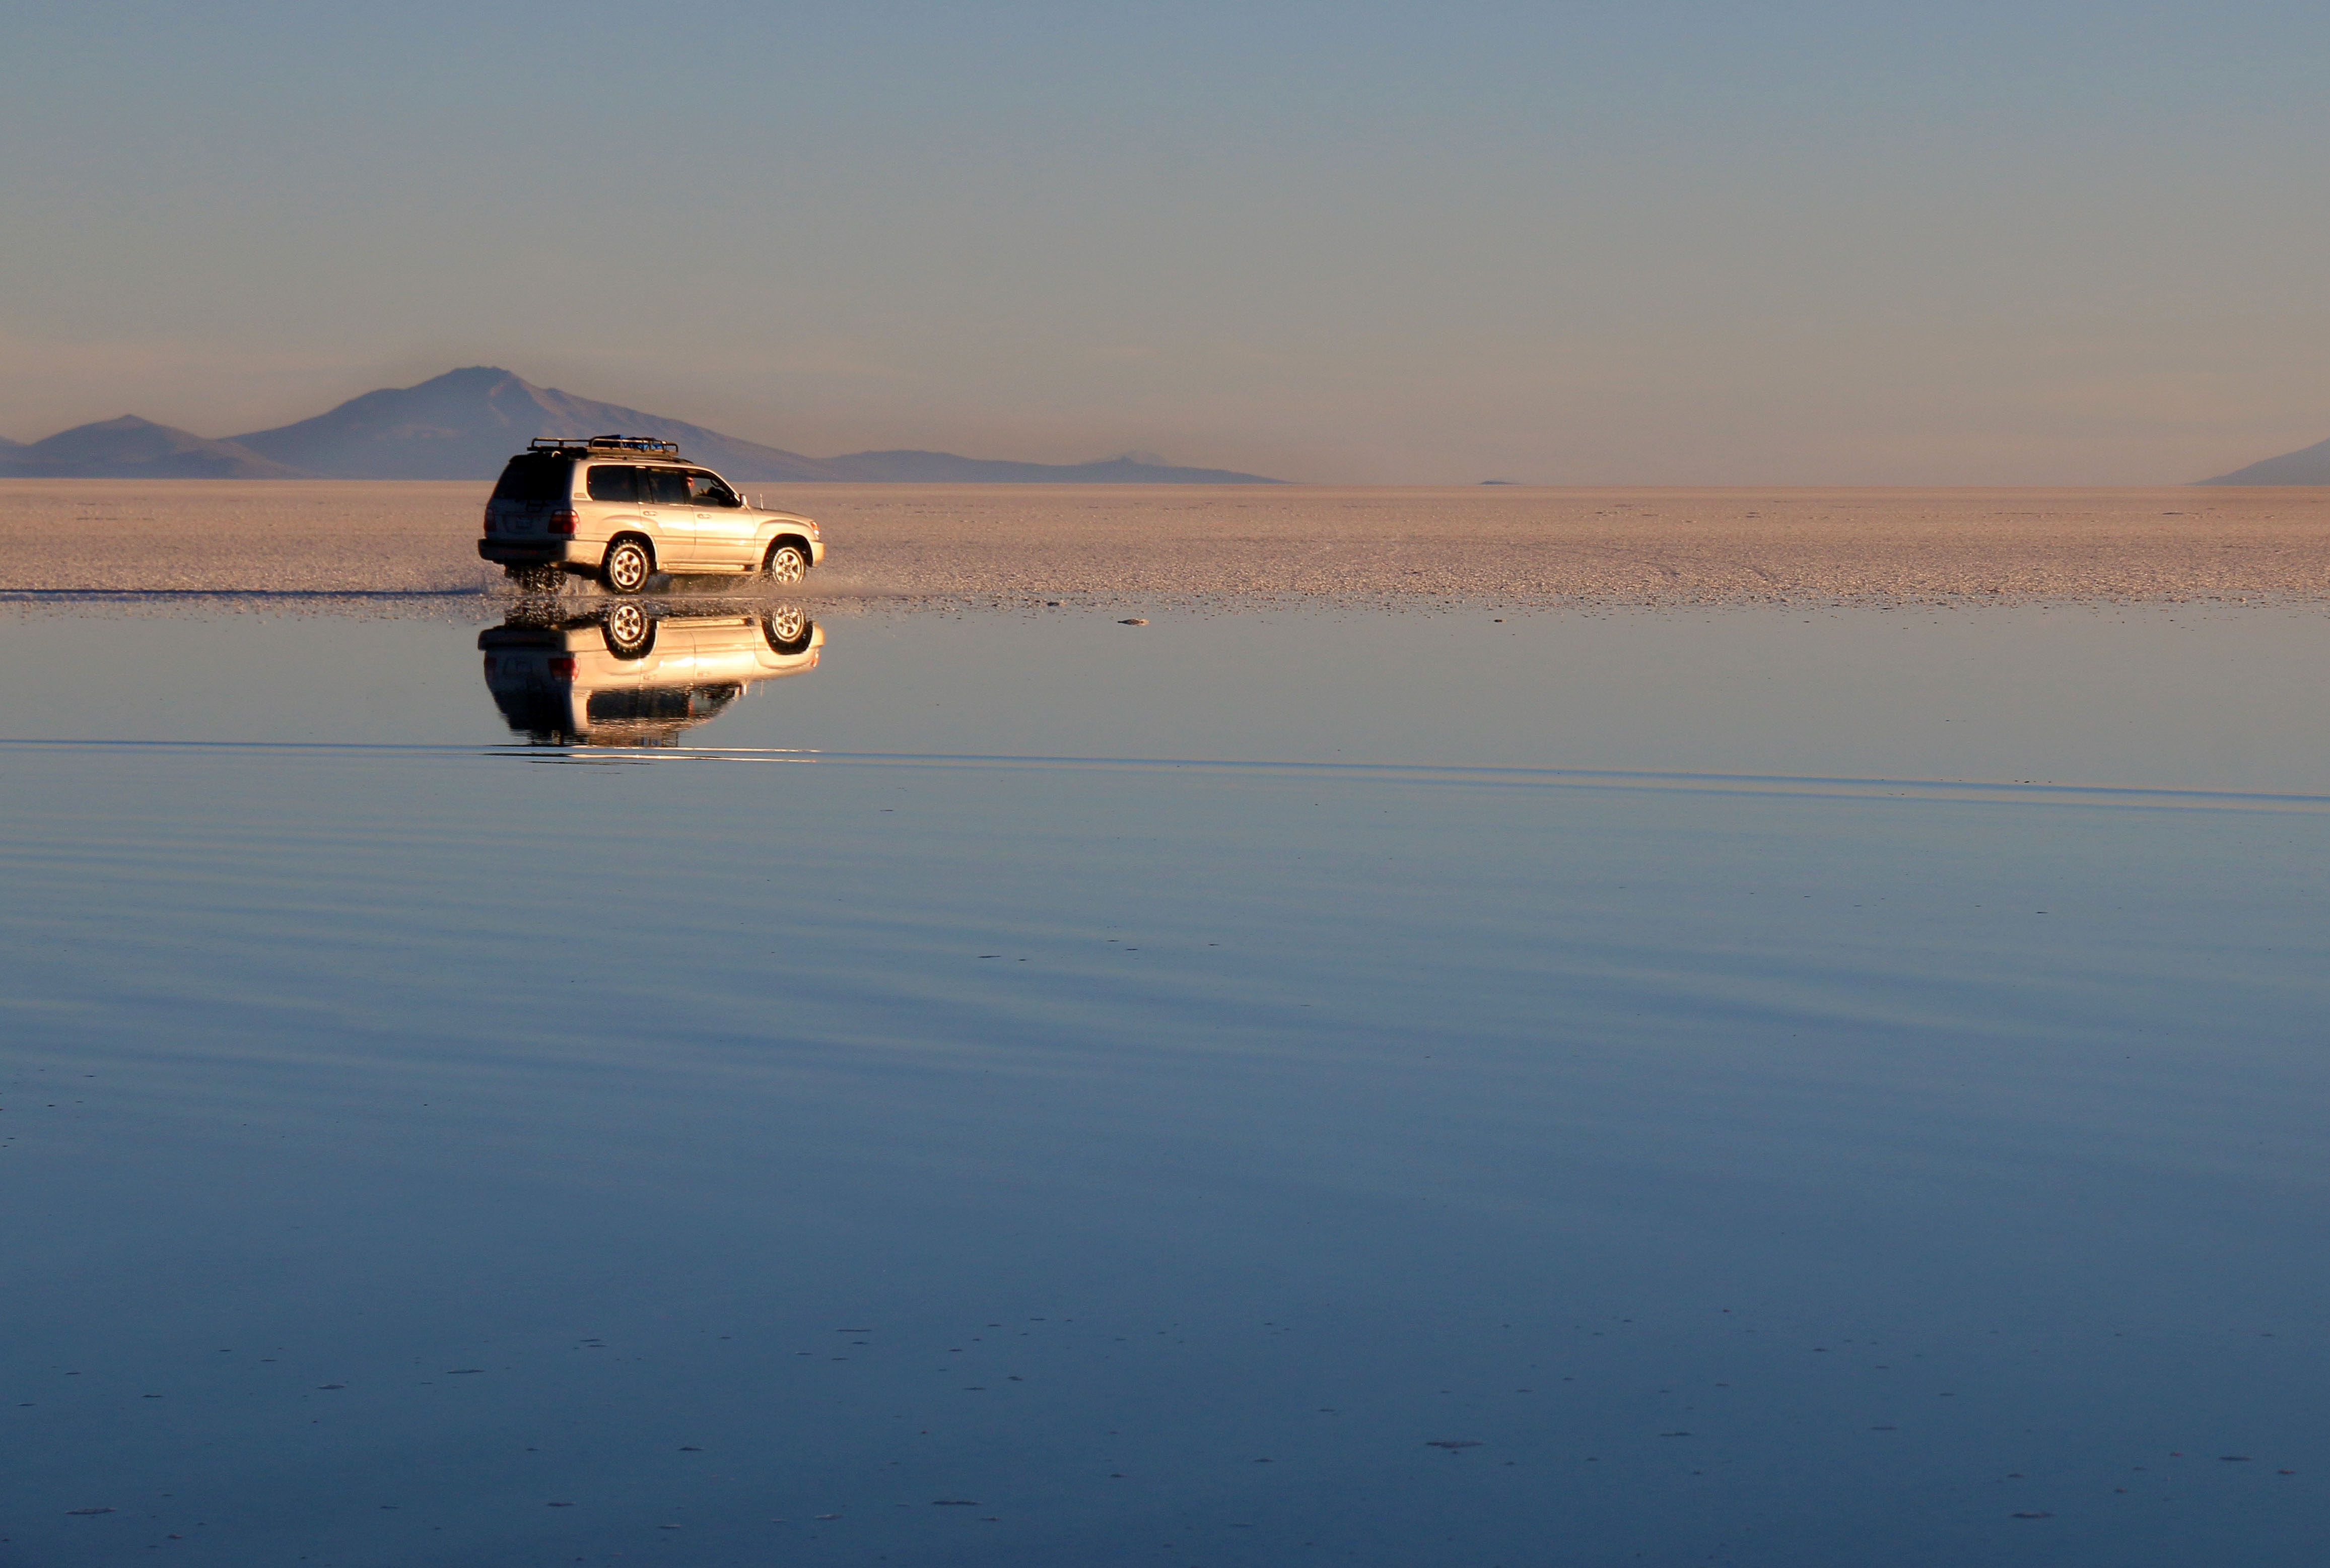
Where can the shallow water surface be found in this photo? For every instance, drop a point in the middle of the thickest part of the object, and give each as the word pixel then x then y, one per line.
pixel 2176 697
pixel 1477 1097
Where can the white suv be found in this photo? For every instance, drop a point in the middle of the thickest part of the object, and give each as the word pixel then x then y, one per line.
pixel 623 509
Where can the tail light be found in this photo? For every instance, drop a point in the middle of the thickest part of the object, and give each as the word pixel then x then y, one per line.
pixel 562 666
pixel 489 519
pixel 562 522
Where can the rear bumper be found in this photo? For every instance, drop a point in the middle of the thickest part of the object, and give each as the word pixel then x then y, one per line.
pixel 538 552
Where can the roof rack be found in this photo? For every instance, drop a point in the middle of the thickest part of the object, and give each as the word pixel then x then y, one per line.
pixel 639 443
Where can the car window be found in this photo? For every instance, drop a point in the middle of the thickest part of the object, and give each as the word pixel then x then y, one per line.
pixel 614 482
pixel 636 703
pixel 705 490
pixel 535 477
pixel 664 487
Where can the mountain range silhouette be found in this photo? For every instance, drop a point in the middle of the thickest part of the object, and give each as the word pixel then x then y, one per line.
pixel 2309 465
pixel 465 424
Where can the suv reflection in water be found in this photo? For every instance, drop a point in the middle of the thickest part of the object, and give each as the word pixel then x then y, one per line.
pixel 630 676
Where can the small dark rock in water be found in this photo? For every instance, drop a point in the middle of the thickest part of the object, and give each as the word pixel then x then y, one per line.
pixel 2041 1516
pixel 558 1505
pixel 464 1371
pixel 1451 1444
pixel 1674 1434
pixel 84 1511
pixel 1132 620
pixel 685 1449
pixel 954 1503
pixel 667 1526
pixel 320 1388
pixel 2232 1459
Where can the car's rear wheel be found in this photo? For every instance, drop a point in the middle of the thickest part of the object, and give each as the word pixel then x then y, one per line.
pixel 786 564
pixel 628 631
pixel 626 568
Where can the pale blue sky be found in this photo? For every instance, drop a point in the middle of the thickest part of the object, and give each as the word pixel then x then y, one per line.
pixel 1634 242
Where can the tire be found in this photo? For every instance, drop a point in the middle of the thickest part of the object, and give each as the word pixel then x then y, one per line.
pixel 628 631
pixel 787 563
pixel 787 629
pixel 628 567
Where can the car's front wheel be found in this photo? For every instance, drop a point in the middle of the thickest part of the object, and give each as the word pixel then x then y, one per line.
pixel 627 567
pixel 786 564
pixel 787 627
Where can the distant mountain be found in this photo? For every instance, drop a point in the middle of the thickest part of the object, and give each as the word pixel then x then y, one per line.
pixel 131 448
pixel 465 424
pixel 946 468
pixel 2308 466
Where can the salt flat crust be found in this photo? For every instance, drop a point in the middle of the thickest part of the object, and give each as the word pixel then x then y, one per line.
pixel 1110 545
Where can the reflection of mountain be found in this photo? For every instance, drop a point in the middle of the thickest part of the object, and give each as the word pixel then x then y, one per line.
pixel 135 449
pixel 2307 466
pixel 631 676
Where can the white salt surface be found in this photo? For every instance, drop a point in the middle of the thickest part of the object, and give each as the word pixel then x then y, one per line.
pixel 1189 545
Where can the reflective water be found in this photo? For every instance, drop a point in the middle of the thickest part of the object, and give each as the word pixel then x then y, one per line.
pixel 2180 697
pixel 1662 1097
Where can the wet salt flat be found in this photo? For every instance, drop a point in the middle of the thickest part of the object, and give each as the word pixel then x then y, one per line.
pixel 1736 1086
pixel 2160 696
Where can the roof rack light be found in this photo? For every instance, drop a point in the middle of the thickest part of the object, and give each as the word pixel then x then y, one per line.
pixel 647 445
